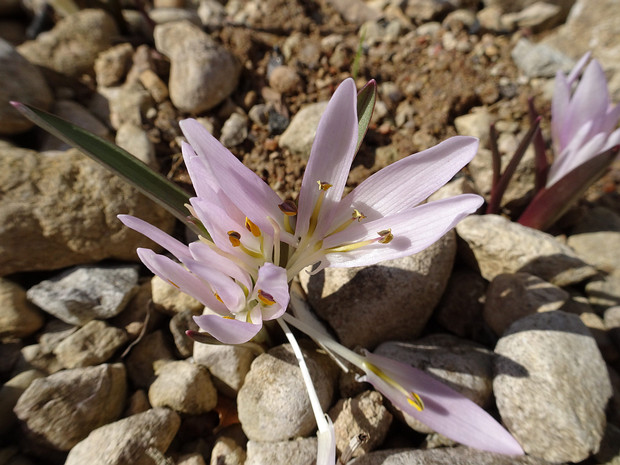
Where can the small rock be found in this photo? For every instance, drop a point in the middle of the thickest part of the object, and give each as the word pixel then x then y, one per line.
pixel 202 72
pixel 355 11
pixel 476 123
pixel 9 395
pixel 62 409
pixel 551 360
pixel 537 17
pixel 151 348
pixel 273 404
pixel 497 245
pixel 90 345
pixel 465 366
pixel 599 332
pixel 111 65
pixel 601 249
pixel 18 317
pixel 299 135
pixel 423 11
pixel 227 364
pixel 211 14
pixel 284 79
pixel 512 296
pixel 171 300
pixel 82 294
pixel 154 85
pixel 72 46
pixel 234 130
pixel 21 82
pixel 300 452
pixel 539 60
pixel 191 459
pixel 36 356
pixel 612 323
pixel 136 141
pixel 179 324
pixel 126 104
pixel 129 440
pixel 229 447
pixel 184 387
pixel 364 414
pixel 604 292
pixel 381 294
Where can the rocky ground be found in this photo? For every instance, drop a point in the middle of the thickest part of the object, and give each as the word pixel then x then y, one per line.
pixel 95 364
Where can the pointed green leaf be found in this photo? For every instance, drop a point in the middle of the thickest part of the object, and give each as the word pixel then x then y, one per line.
pixel 122 163
pixel 366 99
pixel 551 203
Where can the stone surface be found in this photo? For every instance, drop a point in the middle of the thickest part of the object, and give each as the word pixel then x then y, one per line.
pixel 18 317
pixel 299 135
pixel 612 323
pixel 136 141
pixel 300 452
pixel 112 65
pixel 229 447
pixel 184 387
pixel 234 130
pixel 179 324
pixel 284 79
pixel 512 296
pixel 604 291
pixel 227 364
pixel 551 360
pixel 601 249
pixel 463 365
pixel 365 305
pixel 129 440
pixel 82 294
pixel 10 394
pixel 62 409
pixel 92 344
pixel 171 300
pixel 152 348
pixel 21 82
pixel 59 209
pixel 72 46
pixel 202 72
pixel 364 414
pixel 273 404
pixel 495 245
pixel 539 60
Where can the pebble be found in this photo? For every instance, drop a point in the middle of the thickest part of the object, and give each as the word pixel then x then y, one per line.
pixel 59 210
pixel 496 245
pixel 381 294
pixel 202 72
pixel 299 135
pixel 154 85
pixel 62 409
pixel 364 414
pixel 136 141
pixel 537 17
pixel 300 451
pixel 604 292
pixel 152 348
pixel 284 79
pixel 118 105
pixel 82 294
pixel 234 130
pixel 228 365
pixel 10 392
pixel 551 360
pixel 184 387
pixel 21 82
pixel 601 249
pixel 92 344
pixel 179 324
pixel 512 296
pixel 170 300
pixel 74 43
pixel 539 60
pixel 174 15
pixel 18 317
pixel 273 404
pixel 129 440
pixel 465 366
pixel 229 447
pixel 111 65
pixel 211 13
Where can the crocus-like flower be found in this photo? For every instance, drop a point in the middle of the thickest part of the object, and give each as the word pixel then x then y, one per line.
pixel 583 120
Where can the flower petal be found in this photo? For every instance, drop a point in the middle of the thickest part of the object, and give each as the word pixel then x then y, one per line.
pixel 204 253
pixel 407 182
pixel 179 277
pixel 228 330
pixel 445 410
pixel 413 231
pixel 332 153
pixel 272 279
pixel 175 247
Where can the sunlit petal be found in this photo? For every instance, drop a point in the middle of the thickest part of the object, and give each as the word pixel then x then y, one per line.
pixel 175 247
pixel 228 330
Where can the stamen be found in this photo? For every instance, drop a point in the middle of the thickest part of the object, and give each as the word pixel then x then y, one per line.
pixel 265 298
pixel 416 401
pixel 174 284
pixel 255 230
pixel 324 185
pixel 235 238
pixel 356 215
pixel 386 236
pixel 323 188
pixel 412 398
pixel 288 207
pixel 218 297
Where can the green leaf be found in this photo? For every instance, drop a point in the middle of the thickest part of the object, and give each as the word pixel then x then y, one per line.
pixel 551 203
pixel 150 183
pixel 366 99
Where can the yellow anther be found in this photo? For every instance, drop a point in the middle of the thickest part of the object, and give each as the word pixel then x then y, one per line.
pixel 255 230
pixel 265 298
pixel 357 215
pixel 218 297
pixel 386 236
pixel 288 207
pixel 174 284
pixel 416 401
pixel 323 185
pixel 235 238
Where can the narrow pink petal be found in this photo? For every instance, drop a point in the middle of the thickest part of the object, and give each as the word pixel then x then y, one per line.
pixel 559 112
pixel 202 178
pixel 413 230
pixel 227 330
pixel 204 253
pixel 331 156
pixel 445 410
pixel 406 183
pixel 574 74
pixel 179 277
pixel 272 279
pixel 250 193
pixel 175 247
pixel 576 153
